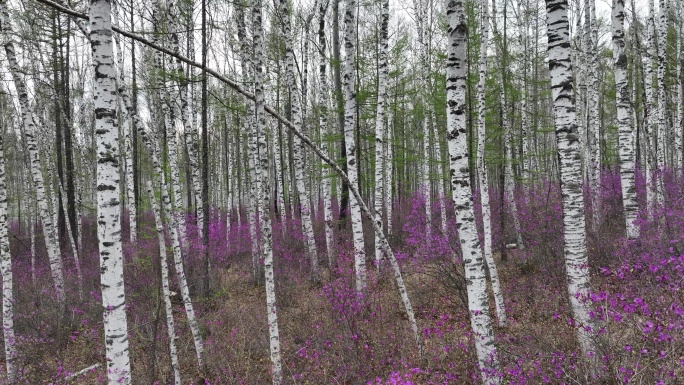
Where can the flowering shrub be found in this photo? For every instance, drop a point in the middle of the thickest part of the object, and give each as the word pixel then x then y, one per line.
pixel 331 334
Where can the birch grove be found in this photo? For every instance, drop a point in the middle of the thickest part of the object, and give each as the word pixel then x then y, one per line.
pixel 242 139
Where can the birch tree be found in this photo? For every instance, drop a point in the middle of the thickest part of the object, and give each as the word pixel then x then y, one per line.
pixel 476 284
pixel 266 230
pixel 380 124
pixel 482 168
pixel 6 270
pixel 166 292
pixel 574 231
pixel 625 133
pixel 108 205
pixel 30 131
pixel 324 130
pixel 350 142
pixel 509 184
pixel 296 106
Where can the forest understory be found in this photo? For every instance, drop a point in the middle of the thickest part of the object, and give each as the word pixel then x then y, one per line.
pixel 331 335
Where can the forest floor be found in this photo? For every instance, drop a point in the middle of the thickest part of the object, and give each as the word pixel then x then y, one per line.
pixel 330 335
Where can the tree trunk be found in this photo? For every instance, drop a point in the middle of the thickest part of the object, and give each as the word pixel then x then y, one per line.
pixel 108 205
pixel 166 292
pixel 349 125
pixel 575 248
pixel 30 132
pixel 380 124
pixel 324 133
pixel 625 130
pixel 6 269
pixel 296 107
pixel 476 279
pixel 482 169
pixel 266 230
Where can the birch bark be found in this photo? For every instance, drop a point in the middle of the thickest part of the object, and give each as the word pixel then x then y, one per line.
pixel 166 292
pixel 296 107
pixel 661 47
pixel 593 123
pixel 625 130
pixel 324 132
pixel 482 169
pixel 7 283
pixel 575 248
pixel 380 124
pixel 509 185
pixel 266 230
pixel 127 131
pixel 651 167
pixel 350 142
pixel 108 205
pixel 462 193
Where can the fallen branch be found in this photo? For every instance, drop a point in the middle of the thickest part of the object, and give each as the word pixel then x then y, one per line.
pixel 81 372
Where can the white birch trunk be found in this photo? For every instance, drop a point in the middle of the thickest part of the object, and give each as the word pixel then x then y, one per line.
pixel 388 173
pixel 350 142
pixel 575 248
pixel 661 110
pixel 593 123
pixel 324 132
pixel 266 231
pixel 440 173
pixel 127 131
pixel 380 125
pixel 108 205
pixel 650 113
pixel 296 107
pixel 476 279
pixel 625 130
pixel 252 212
pixel 166 292
pixel 509 184
pixel 174 229
pixel 30 132
pixel 7 284
pixel 482 169
pixel 33 246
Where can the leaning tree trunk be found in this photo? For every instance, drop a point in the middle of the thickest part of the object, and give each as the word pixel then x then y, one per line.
pixel 482 169
pixel 625 131
pixel 296 106
pixel 30 131
pixel 266 230
pixel 108 205
pixel 478 301
pixel 575 247
pixel 6 269
pixel 380 125
pixel 166 292
pixel 350 142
